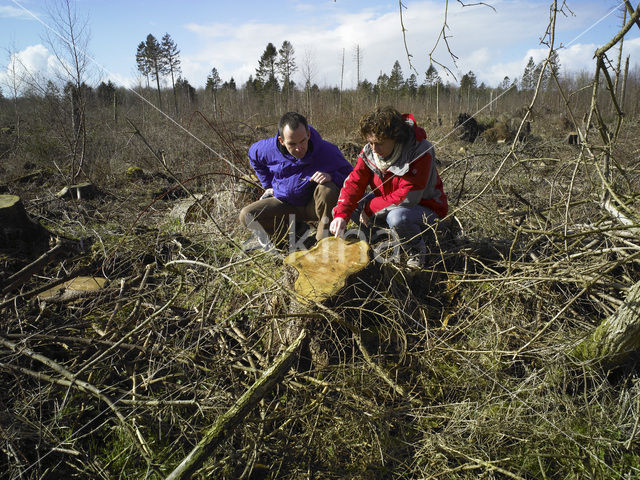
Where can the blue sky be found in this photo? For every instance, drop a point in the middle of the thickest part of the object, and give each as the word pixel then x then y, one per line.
pixel 231 36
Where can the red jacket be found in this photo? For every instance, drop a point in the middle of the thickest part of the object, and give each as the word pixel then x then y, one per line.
pixel 411 180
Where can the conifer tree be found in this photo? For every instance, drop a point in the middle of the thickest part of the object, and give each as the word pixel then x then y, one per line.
pixel 151 61
pixel 528 79
pixel 396 79
pixel 142 63
pixel 431 76
pixel 213 84
pixel 286 66
pixel 411 85
pixel 266 71
pixel 171 54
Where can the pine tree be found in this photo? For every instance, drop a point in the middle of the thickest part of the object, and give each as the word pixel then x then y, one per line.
pixel 528 80
pixel 183 85
pixel 266 71
pixel 431 78
pixel 171 54
pixel 213 84
pixel 411 85
pixel 151 61
pixel 141 61
pixel 468 82
pixel 230 85
pixel 396 79
pixel 106 93
pixel 286 66
pixel 382 84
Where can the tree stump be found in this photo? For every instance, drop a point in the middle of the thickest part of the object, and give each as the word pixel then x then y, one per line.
pixel 73 288
pixel 321 274
pixel 190 210
pixel 324 269
pixel 617 337
pixel 16 228
pixel 82 191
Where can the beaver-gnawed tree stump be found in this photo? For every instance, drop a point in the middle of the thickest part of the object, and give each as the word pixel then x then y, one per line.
pixel 17 230
pixel 320 273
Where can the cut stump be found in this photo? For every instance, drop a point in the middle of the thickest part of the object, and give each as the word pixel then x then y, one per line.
pixel 73 287
pixel 82 191
pixel 323 270
pixel 16 228
pixel 191 211
pixel 322 273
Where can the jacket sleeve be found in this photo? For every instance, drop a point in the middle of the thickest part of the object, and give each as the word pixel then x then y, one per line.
pixel 259 165
pixel 353 190
pixel 409 188
pixel 339 175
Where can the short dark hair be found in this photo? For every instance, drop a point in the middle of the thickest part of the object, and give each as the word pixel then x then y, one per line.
pixel 383 123
pixel 293 120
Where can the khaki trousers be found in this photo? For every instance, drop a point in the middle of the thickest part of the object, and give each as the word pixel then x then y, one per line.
pixel 273 215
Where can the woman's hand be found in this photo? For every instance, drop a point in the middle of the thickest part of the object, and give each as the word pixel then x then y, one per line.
pixel 337 226
pixel 364 218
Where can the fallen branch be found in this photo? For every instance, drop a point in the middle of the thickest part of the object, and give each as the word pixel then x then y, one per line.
pixel 230 420
pixel 20 278
pixel 80 385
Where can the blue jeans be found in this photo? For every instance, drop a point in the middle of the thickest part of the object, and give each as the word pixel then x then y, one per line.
pixel 408 224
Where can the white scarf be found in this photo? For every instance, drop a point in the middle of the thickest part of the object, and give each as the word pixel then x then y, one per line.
pixel 383 164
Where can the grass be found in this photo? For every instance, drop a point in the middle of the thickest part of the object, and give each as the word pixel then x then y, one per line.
pixel 481 340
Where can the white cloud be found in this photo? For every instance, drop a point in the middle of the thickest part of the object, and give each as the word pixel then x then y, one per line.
pixel 7 11
pixel 27 65
pixel 488 35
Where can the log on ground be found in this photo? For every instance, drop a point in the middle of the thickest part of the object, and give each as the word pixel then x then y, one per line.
pixel 617 337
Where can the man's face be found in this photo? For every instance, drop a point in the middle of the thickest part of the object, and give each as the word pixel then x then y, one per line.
pixel 295 141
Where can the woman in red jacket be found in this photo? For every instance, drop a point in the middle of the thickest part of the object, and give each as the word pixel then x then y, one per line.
pixel 398 163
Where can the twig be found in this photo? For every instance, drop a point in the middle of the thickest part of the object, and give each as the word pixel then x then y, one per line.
pixel 82 386
pixel 485 464
pixel 22 276
pixel 230 420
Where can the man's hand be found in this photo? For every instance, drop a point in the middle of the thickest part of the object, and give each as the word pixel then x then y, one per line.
pixel 320 178
pixel 337 226
pixel 267 193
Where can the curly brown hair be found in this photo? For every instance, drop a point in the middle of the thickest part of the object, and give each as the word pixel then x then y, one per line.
pixel 383 123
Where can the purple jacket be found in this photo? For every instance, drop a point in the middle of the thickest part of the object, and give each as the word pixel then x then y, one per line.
pixel 289 176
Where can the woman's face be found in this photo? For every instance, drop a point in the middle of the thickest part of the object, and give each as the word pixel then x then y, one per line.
pixel 381 146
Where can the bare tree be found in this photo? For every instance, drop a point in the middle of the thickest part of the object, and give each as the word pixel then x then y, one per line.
pixel 14 82
pixel 308 73
pixel 69 40
pixel 357 55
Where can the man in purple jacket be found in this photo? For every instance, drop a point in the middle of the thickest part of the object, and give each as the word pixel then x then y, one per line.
pixel 302 175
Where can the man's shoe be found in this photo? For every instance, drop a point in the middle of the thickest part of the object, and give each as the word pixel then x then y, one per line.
pixel 416 260
pixel 255 245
